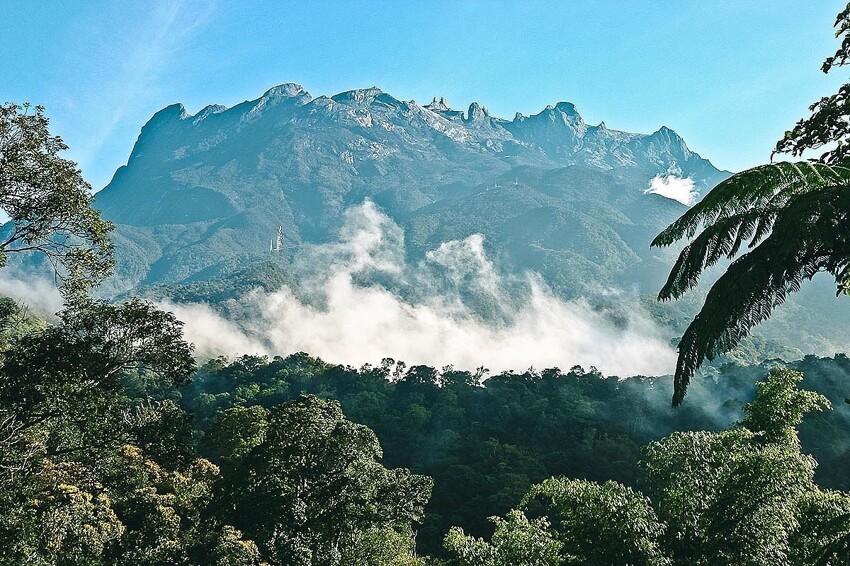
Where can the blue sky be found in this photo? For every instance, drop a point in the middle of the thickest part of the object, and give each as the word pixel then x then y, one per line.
pixel 729 76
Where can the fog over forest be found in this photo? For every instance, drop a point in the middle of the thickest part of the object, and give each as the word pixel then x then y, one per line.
pixel 350 326
pixel 328 314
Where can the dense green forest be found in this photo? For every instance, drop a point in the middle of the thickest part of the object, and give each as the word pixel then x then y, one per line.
pixel 485 443
pixel 116 448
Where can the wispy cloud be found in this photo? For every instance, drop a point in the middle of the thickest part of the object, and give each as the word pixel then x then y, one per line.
pixel 33 291
pixel 124 71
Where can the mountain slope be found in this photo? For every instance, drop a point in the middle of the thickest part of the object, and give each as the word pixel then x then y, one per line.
pixel 204 194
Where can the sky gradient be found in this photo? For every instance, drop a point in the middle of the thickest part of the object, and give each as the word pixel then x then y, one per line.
pixel 729 76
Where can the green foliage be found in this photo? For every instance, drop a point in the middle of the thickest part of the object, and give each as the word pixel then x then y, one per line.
pixel 313 487
pixel 60 386
pixel 48 202
pixel 64 522
pixel 827 125
pixel 160 508
pixel 71 493
pixel 486 444
pixel 823 537
pixel 725 495
pixel 600 523
pixel 382 546
pixel 583 523
pixel 516 541
pixel 130 334
pixel 16 322
pixel 161 429
pixel 228 548
pixel 794 217
pixel 779 407
pixel 740 496
pixel 237 431
pixel 735 497
pixel 292 480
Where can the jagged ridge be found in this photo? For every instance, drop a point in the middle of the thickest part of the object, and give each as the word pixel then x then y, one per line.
pixel 201 193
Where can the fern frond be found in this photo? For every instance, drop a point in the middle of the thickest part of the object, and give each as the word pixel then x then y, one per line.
pixel 758 189
pixel 809 236
pixel 724 238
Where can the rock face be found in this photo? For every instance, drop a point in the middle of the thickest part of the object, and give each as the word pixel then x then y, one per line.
pixel 203 194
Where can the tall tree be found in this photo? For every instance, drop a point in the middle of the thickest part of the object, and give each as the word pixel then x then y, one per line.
pixel 793 217
pixel 47 201
pixel 89 474
pixel 64 380
pixel 306 484
pixel 747 495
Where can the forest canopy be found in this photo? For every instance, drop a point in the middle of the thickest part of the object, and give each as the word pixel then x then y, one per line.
pixel 116 448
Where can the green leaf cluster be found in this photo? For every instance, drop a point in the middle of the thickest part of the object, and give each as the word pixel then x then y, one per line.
pixel 48 202
pixel 740 496
pixel 793 218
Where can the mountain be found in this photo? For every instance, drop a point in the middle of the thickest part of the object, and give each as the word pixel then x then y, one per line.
pixel 204 194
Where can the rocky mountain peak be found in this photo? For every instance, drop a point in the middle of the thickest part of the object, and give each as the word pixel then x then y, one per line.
pixel 563 112
pixel 165 118
pixel 285 90
pixel 223 185
pixel 477 113
pixel 174 111
pixel 438 105
pixel 360 95
pixel 567 108
pixel 670 137
pixel 284 93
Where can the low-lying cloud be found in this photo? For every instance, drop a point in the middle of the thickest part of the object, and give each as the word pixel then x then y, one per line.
pixel 36 293
pixel 358 300
pixel 672 187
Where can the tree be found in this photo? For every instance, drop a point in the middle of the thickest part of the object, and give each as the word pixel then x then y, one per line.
pixel 582 522
pixel 600 524
pixel 89 474
pixel 62 384
pixel 307 484
pixel 793 217
pixel 48 202
pixel 63 418
pixel 63 519
pixel 237 431
pixel 516 541
pixel 166 518
pixel 745 495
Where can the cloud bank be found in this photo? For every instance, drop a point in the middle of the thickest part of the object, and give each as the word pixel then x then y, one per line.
pixel 672 187
pixel 36 293
pixel 359 301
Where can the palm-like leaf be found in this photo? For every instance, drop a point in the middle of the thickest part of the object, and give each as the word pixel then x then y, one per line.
pixel 794 218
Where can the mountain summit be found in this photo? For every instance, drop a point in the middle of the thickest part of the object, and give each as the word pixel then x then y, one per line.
pixel 201 193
